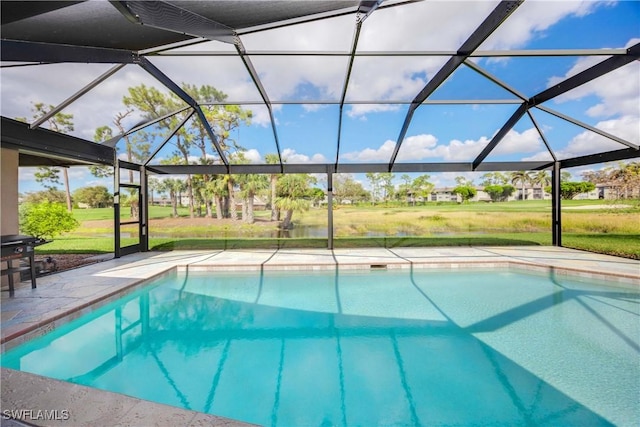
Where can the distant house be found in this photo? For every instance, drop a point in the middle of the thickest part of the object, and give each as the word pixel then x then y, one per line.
pixel 446 194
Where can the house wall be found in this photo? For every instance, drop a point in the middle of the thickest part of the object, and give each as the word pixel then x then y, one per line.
pixel 9 191
pixel 8 198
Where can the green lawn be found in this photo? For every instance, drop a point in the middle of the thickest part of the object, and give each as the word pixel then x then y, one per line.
pixel 610 231
pixel 96 214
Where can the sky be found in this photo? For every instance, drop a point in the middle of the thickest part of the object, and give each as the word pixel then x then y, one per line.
pixel 438 133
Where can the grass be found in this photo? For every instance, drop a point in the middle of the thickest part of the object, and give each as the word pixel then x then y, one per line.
pixel 615 232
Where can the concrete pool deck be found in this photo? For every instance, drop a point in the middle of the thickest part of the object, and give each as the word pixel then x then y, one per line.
pixel 65 296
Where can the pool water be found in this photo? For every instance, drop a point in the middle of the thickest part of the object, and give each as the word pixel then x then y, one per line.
pixel 342 348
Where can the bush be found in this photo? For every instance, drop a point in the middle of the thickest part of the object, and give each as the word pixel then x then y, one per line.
pixel 46 220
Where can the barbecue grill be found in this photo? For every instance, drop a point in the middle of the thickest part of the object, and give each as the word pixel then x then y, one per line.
pixel 17 247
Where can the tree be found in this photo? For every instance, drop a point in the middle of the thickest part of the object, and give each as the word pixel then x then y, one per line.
pixel 218 188
pixel 155 186
pixel 499 193
pixel 223 119
pixel 467 192
pixel 292 188
pixel 463 181
pixel 404 189
pixel 250 185
pixel 494 178
pixel 624 178
pixel 61 123
pixel 569 190
pixel 46 220
pixel 374 180
pixel 102 134
pixel 50 195
pixel 422 187
pixel 316 195
pixel 345 187
pixel 524 178
pixel 173 187
pixel 386 181
pixel 48 176
pixel 273 159
pixel 95 197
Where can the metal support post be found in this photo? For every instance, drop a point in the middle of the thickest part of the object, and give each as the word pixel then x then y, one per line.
pixel 330 210
pixel 556 214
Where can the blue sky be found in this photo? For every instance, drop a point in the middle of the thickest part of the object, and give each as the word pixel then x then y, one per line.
pixel 308 133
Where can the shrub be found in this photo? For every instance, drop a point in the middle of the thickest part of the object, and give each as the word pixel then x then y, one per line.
pixel 46 220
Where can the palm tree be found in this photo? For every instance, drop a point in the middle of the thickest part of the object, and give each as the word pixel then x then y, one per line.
pixel 291 192
pixel 273 180
pixel 524 177
pixel 290 205
pixel 174 187
pixel 250 185
pixel 218 188
pixel 541 178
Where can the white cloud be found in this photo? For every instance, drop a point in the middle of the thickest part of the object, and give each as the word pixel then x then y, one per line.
pixel 532 19
pixel 588 142
pixel 361 110
pixel 618 94
pixel 425 146
pixel 253 156
pixel 618 91
pixel 290 155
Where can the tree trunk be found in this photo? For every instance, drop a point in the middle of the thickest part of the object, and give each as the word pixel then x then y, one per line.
pixel 275 212
pixel 218 201
pixel 209 210
pixel 66 188
pixel 190 195
pixel 286 222
pixel 174 204
pixel 244 209
pixel 233 210
pixel 250 217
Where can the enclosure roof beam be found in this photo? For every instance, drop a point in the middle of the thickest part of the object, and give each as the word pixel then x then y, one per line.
pixel 504 130
pixel 568 84
pixel 167 16
pixel 345 86
pixel 587 75
pixel 541 133
pixel 488 26
pixel 172 86
pixel 610 156
pixel 77 95
pixel 344 168
pixel 372 102
pixel 263 93
pixel 171 134
pixel 27 51
pixel 364 7
pixel 586 126
pixel 385 53
pixel 495 80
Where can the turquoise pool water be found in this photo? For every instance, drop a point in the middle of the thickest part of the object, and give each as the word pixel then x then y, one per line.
pixel 363 348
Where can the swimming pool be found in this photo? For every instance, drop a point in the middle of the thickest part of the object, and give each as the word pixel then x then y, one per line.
pixel 396 347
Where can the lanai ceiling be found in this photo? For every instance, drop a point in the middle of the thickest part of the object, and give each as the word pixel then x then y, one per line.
pixel 332 86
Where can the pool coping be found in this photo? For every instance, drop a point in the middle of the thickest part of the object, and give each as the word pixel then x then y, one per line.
pixel 21 390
